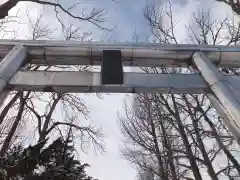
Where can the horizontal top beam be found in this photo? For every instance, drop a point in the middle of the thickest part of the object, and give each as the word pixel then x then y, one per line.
pixel 91 44
pixel 133 54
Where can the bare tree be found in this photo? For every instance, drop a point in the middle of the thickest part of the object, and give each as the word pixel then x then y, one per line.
pixel 38 110
pixel 95 16
pixel 141 132
pixel 191 138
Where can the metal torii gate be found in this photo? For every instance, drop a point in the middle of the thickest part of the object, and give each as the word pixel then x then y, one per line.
pixel 223 91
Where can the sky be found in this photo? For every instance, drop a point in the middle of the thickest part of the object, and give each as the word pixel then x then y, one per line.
pixel 127 17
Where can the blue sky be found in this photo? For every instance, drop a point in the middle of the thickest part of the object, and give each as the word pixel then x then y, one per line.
pixel 127 17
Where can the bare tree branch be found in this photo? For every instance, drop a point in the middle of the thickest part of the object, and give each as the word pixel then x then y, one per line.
pixel 95 17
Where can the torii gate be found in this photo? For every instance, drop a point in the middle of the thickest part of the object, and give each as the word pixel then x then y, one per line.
pixel 223 91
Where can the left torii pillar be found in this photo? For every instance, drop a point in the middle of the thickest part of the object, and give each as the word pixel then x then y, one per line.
pixel 9 65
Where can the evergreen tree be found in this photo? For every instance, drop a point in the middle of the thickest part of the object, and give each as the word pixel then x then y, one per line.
pixel 54 162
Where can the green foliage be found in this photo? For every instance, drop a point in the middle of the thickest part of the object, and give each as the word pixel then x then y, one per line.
pixel 55 162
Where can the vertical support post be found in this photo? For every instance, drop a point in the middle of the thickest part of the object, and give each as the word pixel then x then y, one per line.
pixel 224 115
pixel 9 66
pixel 223 97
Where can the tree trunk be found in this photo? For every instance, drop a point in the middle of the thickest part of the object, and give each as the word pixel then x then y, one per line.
pixel 207 162
pixel 169 152
pixel 14 126
pixel 8 106
pixel 218 139
pixel 162 169
pixel 182 132
pixel 44 130
pixel 221 145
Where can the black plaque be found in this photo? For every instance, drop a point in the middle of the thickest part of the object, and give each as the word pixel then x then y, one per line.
pixel 112 68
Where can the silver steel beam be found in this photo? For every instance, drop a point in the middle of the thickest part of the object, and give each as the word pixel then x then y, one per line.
pixel 225 116
pixel 61 81
pixel 9 66
pixel 90 82
pixel 134 54
pixel 223 91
